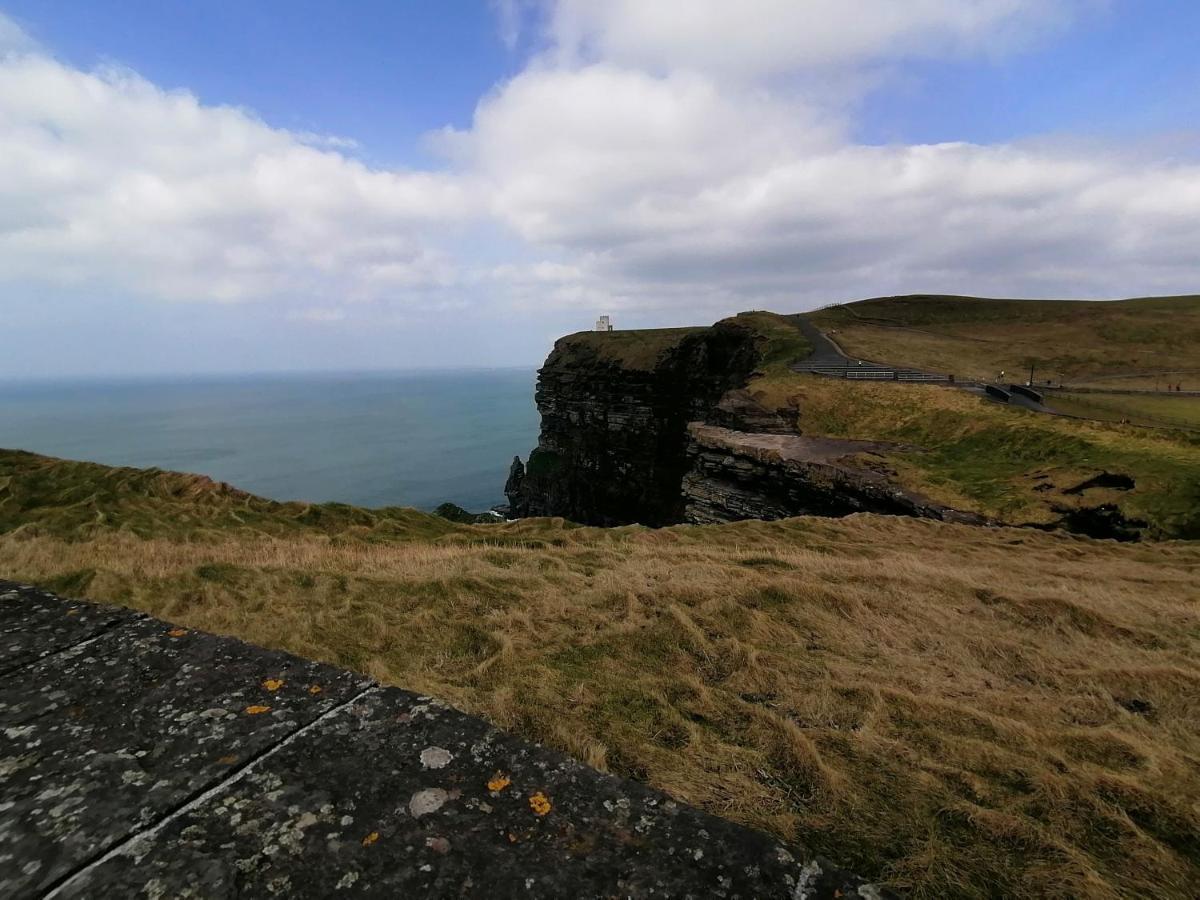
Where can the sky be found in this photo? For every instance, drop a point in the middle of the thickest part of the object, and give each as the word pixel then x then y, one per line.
pixel 292 186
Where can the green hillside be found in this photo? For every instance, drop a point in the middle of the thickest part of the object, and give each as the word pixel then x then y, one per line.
pixel 1066 340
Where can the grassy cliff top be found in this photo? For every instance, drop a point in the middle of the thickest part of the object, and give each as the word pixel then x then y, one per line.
pixel 1070 340
pixel 638 349
pixel 961 711
pixel 779 342
pixel 40 495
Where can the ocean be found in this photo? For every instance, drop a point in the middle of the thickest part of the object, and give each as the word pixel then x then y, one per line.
pixel 377 439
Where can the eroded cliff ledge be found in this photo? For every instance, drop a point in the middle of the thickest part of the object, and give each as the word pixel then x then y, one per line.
pixel 737 475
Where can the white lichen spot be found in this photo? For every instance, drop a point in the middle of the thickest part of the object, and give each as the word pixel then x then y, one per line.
pixel 426 801
pixel 436 757
pixel 810 871
pixel 346 881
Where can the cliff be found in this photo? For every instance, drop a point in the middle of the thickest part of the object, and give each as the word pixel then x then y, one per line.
pixel 656 427
pixel 615 409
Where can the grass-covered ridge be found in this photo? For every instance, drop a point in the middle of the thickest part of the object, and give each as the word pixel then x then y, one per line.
pixel 961 711
pixel 1069 340
pixel 637 349
pixel 777 341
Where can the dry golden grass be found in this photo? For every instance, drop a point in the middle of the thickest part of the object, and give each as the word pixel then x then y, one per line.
pixel 1069 340
pixel 960 711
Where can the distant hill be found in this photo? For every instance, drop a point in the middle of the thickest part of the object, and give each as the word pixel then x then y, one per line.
pixel 1076 341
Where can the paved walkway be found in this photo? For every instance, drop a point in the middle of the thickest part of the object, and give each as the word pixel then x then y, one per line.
pixel 138 759
pixel 824 351
pixel 827 358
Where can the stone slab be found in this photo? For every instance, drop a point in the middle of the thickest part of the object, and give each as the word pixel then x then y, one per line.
pixel 107 736
pixel 400 796
pixel 37 623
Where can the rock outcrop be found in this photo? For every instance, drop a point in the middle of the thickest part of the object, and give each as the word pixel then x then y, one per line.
pixel 738 475
pixel 613 442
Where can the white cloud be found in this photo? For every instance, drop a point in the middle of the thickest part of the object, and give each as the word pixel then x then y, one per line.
pixel 682 191
pixel 649 160
pixel 109 181
pixel 594 156
pixel 652 150
pixel 770 36
pixel 13 38
pixel 509 15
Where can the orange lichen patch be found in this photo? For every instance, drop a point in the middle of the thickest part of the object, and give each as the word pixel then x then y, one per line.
pixel 177 632
pixel 539 803
pixel 273 684
pixel 370 839
pixel 315 689
pixel 256 710
pixel 227 760
pixel 499 782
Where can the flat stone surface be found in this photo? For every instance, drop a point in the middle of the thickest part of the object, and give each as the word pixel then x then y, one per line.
pixel 790 447
pixel 36 623
pixel 106 736
pixel 152 761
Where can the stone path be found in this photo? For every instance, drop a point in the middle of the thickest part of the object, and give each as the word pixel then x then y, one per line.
pixel 139 759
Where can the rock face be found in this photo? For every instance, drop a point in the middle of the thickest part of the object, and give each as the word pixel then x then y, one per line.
pixel 613 442
pixel 737 475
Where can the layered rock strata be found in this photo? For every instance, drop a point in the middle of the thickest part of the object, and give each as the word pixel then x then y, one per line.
pixel 736 475
pixel 613 442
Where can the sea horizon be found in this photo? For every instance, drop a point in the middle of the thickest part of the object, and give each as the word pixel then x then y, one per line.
pixel 374 438
pixel 122 377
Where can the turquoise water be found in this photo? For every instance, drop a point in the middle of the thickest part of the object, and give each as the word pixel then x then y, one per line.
pixel 369 439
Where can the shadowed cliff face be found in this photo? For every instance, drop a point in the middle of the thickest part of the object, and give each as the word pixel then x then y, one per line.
pixel 613 443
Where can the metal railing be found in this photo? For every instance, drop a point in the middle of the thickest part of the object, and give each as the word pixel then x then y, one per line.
pixel 871 373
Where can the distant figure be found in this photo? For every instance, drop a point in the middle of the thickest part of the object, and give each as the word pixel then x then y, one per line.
pixel 604 323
